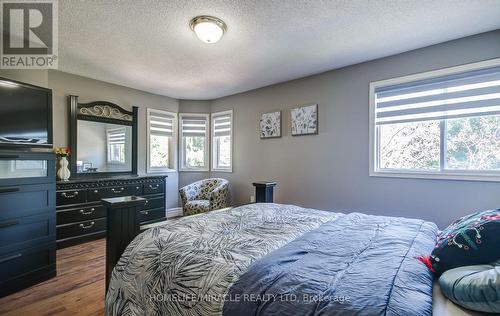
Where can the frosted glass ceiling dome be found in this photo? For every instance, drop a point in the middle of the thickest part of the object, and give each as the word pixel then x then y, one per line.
pixel 208 29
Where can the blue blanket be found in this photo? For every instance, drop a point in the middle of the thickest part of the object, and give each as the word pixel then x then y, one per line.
pixel 355 264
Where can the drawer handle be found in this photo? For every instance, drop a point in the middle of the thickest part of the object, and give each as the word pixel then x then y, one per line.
pixel 88 226
pixel 17 255
pixel 154 187
pixel 70 196
pixel 83 212
pixel 9 190
pixel 9 223
pixel 117 190
pixel 144 212
pixel 96 191
pixel 137 188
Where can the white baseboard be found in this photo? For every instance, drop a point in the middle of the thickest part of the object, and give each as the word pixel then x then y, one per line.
pixel 174 212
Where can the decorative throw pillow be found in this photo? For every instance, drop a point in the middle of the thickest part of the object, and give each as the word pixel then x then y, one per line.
pixel 472 239
pixel 473 287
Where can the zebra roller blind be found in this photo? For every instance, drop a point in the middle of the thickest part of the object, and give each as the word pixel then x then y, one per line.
pixel 161 123
pixel 472 93
pixel 222 124
pixel 194 125
pixel 116 144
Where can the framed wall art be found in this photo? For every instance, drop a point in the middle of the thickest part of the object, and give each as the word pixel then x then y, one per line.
pixel 304 120
pixel 270 125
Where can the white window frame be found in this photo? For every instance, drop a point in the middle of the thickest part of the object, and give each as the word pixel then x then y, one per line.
pixel 375 171
pixel 173 148
pixel 183 167
pixel 214 150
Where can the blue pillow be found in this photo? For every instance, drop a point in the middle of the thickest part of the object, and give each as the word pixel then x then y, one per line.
pixel 473 287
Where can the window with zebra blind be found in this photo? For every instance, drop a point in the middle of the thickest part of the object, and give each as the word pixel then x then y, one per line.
pixel 115 139
pixel 222 141
pixel 162 141
pixel 194 132
pixel 439 124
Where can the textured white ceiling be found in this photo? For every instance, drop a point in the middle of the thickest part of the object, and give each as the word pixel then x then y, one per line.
pixel 148 44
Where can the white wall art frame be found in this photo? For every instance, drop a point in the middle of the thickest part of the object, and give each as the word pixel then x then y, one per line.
pixel 304 120
pixel 270 125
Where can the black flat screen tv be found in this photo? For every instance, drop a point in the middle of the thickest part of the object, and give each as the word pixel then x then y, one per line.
pixel 25 115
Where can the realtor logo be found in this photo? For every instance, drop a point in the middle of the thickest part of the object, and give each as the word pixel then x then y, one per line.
pixel 29 34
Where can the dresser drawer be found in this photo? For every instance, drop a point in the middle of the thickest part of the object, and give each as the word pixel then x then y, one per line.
pixel 81 228
pixel 26 200
pixel 153 188
pixel 153 202
pixel 102 193
pixel 71 197
pixel 150 215
pixel 80 214
pixel 18 168
pixel 26 231
pixel 18 263
pixel 136 189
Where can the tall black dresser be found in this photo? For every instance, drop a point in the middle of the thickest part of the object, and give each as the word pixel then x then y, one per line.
pixel 82 217
pixel 27 219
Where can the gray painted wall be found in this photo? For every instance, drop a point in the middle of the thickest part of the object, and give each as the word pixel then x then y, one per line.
pixel 330 170
pixel 38 77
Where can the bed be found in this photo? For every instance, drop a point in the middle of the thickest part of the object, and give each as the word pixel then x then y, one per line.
pixel 273 259
pixel 442 306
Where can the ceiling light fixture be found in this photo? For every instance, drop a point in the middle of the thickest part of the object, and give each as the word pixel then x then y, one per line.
pixel 209 29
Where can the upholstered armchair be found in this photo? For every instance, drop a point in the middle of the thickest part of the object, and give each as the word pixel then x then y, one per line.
pixel 203 196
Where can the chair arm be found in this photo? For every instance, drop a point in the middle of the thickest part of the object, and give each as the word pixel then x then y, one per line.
pixel 218 197
pixel 185 193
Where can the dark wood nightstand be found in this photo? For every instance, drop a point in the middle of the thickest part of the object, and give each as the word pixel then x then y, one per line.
pixel 264 191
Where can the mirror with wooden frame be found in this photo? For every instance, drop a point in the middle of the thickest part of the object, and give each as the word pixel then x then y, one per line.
pixel 103 139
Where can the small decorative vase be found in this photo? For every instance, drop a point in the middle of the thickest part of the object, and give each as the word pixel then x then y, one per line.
pixel 63 173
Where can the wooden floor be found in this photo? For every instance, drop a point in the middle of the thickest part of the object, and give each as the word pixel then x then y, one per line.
pixel 78 288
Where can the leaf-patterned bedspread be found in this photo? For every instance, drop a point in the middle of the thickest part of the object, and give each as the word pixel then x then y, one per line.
pixel 187 266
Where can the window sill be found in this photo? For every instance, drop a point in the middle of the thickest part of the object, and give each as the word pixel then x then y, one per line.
pixel 161 171
pixel 487 177
pixel 193 170
pixel 222 170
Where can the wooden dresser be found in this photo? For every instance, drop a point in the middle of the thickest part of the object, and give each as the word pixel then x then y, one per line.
pixel 82 217
pixel 27 219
